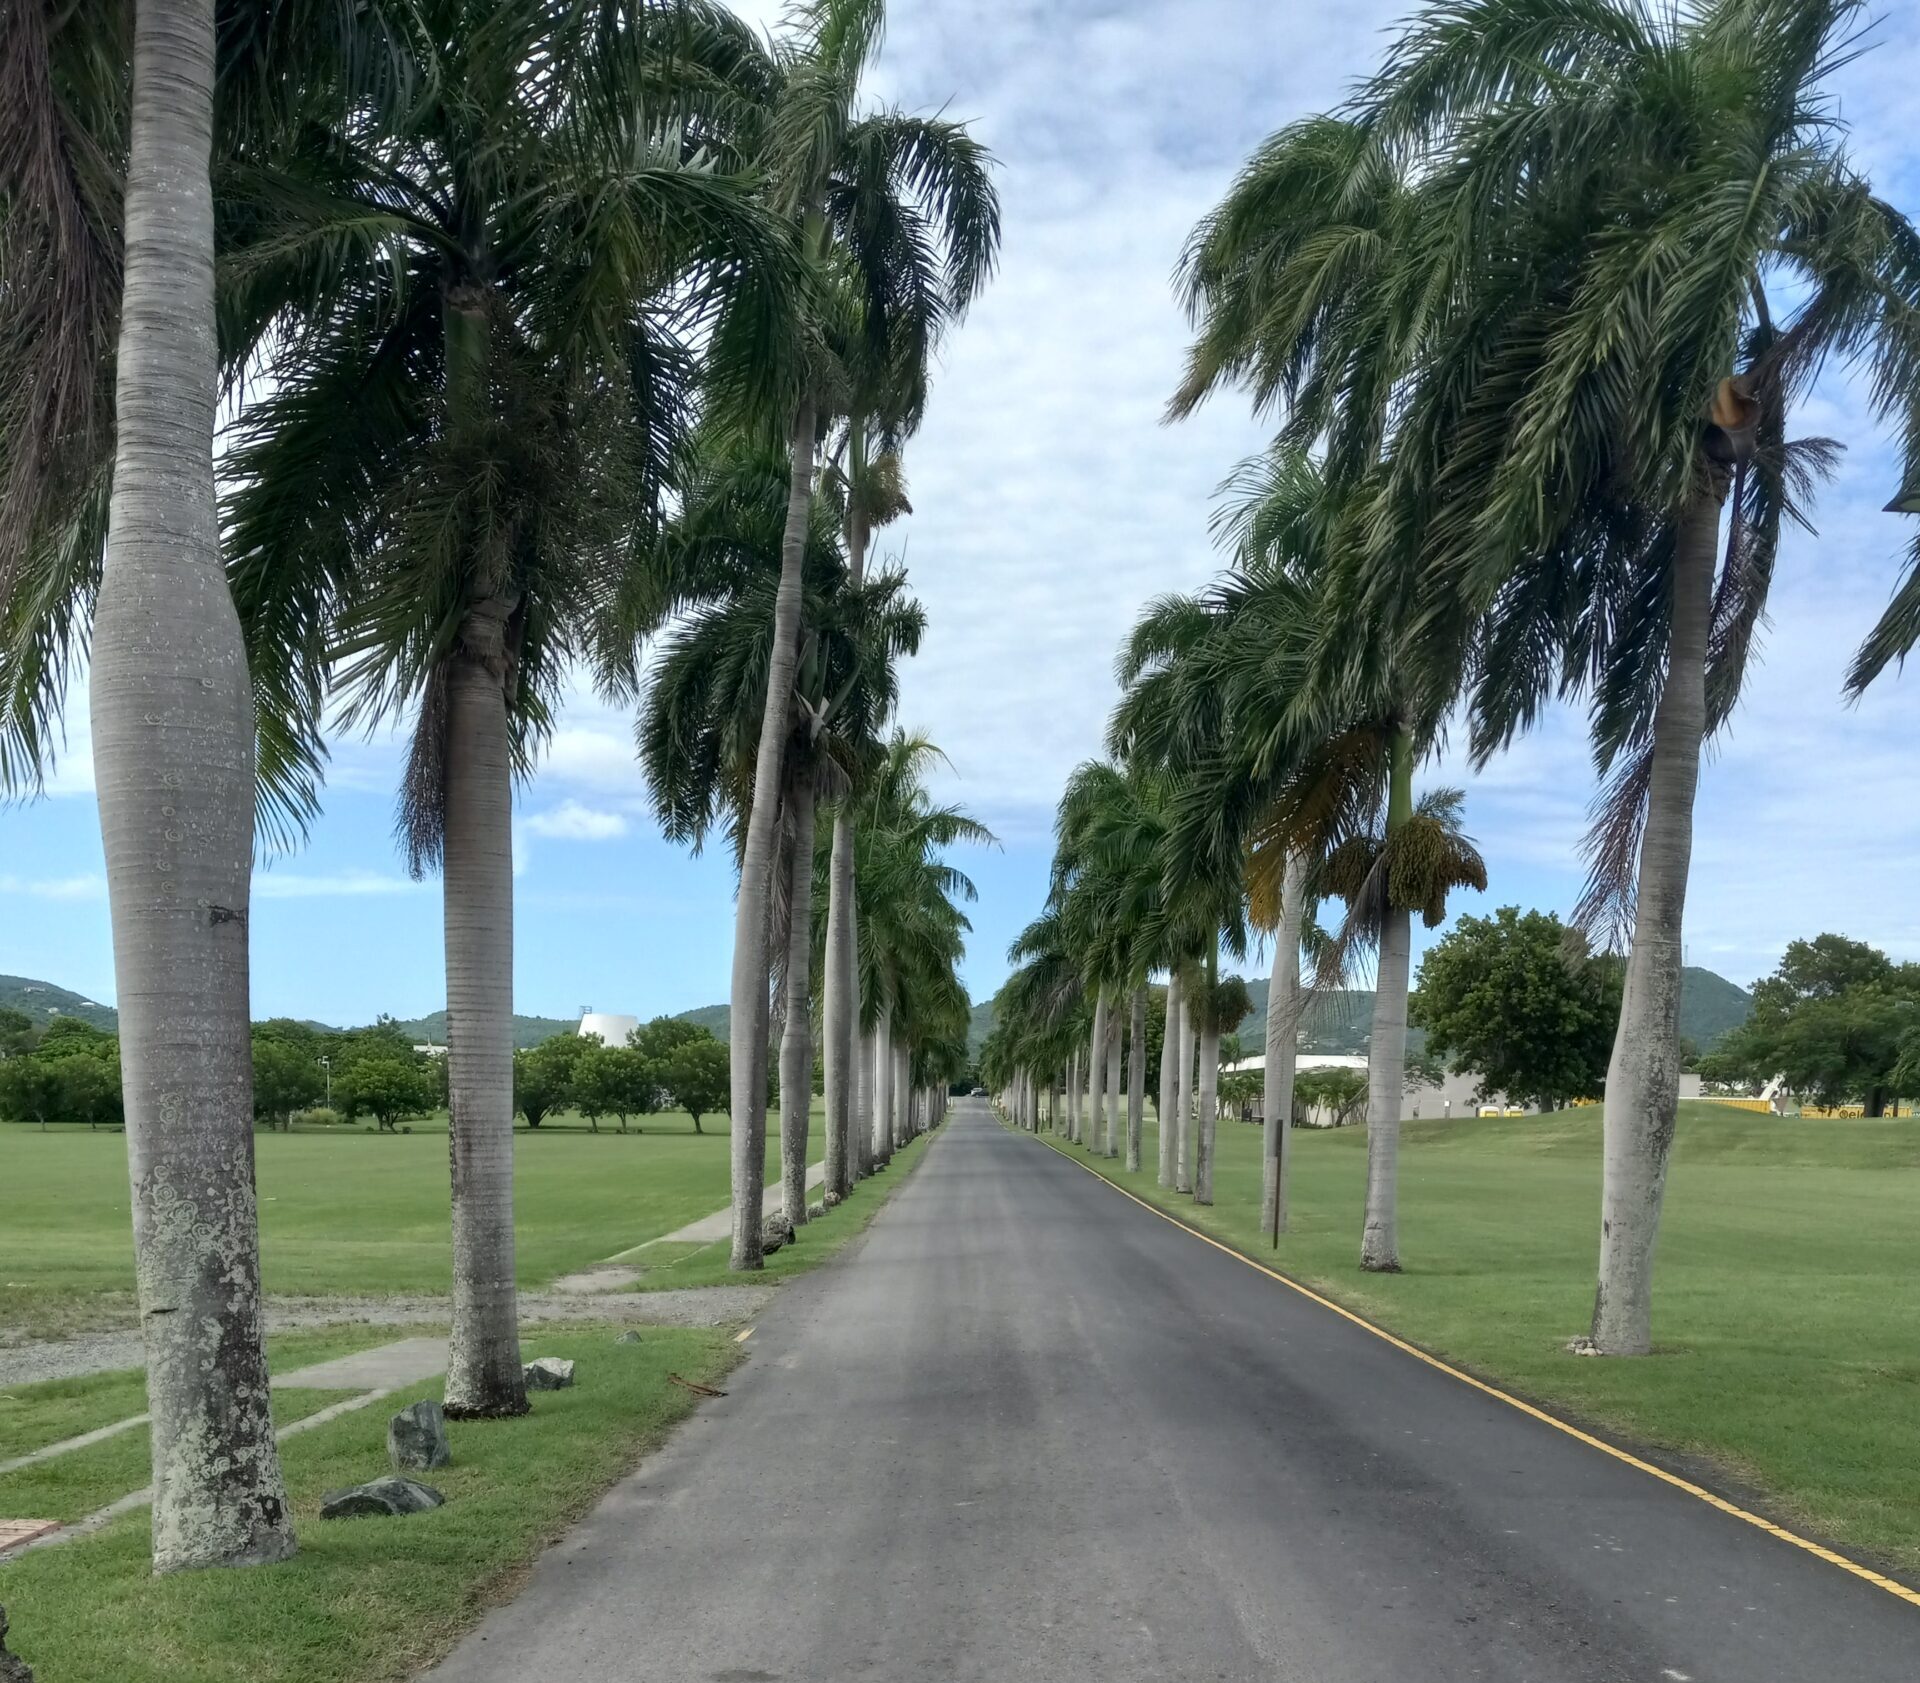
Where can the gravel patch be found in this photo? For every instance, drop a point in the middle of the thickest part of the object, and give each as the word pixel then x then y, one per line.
pixel 105 1352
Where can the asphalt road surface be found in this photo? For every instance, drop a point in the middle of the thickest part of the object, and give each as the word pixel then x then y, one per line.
pixel 1029 1430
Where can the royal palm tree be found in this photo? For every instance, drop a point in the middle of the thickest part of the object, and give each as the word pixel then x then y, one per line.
pixel 486 362
pixel 911 931
pixel 900 208
pixel 1650 237
pixel 118 328
pixel 699 728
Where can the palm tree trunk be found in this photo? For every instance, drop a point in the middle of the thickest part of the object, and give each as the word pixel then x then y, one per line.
pixel 903 1095
pixel 483 1361
pixel 750 969
pixel 1283 1039
pixel 796 1037
pixel 839 1007
pixel 1169 1078
pixel 859 1123
pixel 1183 1092
pixel 1136 1078
pixel 1207 1106
pixel 1097 1078
pixel 883 1088
pixel 1387 1045
pixel 1643 1077
pixel 1111 1128
pixel 842 1003
pixel 173 761
pixel 1073 1096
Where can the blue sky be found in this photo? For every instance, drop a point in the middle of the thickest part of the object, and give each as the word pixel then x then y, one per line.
pixel 1050 504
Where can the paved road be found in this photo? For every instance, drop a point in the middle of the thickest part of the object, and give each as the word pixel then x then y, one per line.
pixel 1029 1431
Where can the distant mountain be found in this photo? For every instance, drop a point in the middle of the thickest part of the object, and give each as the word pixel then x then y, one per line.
pixel 713 1018
pixel 42 1002
pixel 527 1031
pixel 1710 1005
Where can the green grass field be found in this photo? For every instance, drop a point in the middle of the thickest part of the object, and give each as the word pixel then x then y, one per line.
pixel 366 1600
pixel 1787 1294
pixel 349 1211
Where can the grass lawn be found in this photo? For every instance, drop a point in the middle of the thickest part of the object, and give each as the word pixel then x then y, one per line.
pixel 71 1486
pixel 1786 1306
pixel 706 1265
pixel 349 1211
pixel 366 1600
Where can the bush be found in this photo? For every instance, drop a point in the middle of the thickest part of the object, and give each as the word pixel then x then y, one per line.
pixel 317 1117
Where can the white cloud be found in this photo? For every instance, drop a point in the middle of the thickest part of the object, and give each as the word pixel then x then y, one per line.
pixel 572 821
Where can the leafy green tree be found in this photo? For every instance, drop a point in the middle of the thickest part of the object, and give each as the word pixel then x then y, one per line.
pixel 17 1035
pixel 543 1075
pixel 614 1081
pixel 90 1086
pixel 71 1037
pixel 385 1086
pixel 30 1090
pixel 1518 1001
pixel 286 1074
pixel 1833 1020
pixel 1341 1092
pixel 697 1075
pixel 661 1037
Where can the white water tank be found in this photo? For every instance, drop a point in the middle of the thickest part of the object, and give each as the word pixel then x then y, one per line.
pixel 610 1026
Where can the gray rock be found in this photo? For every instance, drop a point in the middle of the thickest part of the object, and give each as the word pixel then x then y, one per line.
pixel 775 1231
pixel 417 1438
pixel 816 1211
pixel 629 1337
pixel 548 1373
pixel 388 1495
pixel 13 1669
pixel 829 1199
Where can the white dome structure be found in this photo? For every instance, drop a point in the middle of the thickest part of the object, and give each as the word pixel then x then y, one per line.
pixel 610 1026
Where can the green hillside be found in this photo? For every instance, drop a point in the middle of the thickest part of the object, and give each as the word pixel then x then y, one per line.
pixel 527 1031
pixel 42 1002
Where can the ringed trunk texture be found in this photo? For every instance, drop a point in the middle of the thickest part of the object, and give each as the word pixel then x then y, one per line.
pixel 1643 1077
pixel 1097 1079
pixel 860 1130
pixel 173 758
pixel 1182 1094
pixel 1115 1076
pixel 903 1097
pixel 1283 1039
pixel 1136 1078
pixel 1207 1105
pixel 747 1032
pixel 1386 1068
pixel 839 1007
pixel 796 1036
pixel 883 1088
pixel 483 1359
pixel 1169 1074
pixel 1387 1045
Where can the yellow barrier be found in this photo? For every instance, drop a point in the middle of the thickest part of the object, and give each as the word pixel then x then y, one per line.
pixel 1765 1105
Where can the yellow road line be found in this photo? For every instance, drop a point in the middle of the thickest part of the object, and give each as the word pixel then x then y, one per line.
pixel 1819 1551
pixel 743 1335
